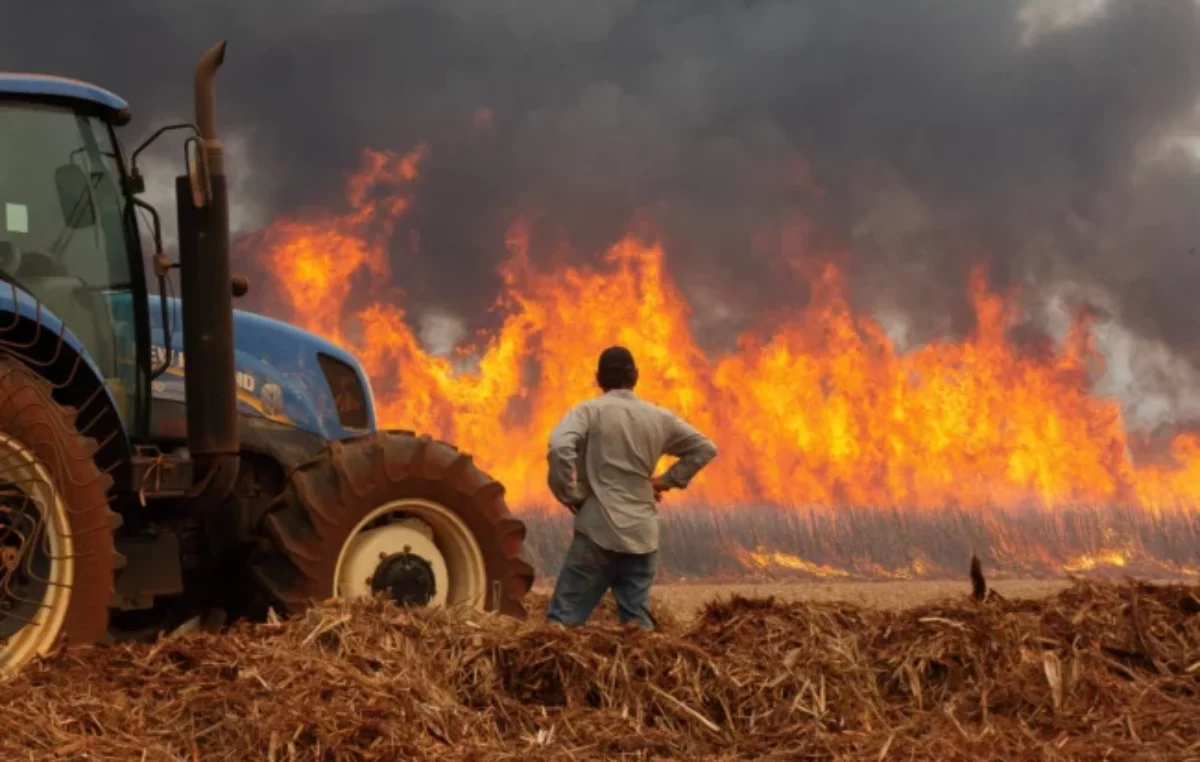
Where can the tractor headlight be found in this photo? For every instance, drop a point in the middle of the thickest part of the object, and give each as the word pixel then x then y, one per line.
pixel 349 396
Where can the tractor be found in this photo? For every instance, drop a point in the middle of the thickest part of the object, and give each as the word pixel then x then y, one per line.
pixel 166 459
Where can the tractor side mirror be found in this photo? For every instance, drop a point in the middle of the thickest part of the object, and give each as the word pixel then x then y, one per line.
pixel 75 197
pixel 198 177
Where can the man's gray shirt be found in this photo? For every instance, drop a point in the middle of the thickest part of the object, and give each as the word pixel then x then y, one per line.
pixel 602 457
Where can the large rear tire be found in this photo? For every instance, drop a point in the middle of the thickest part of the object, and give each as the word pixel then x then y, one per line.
pixel 57 559
pixel 396 513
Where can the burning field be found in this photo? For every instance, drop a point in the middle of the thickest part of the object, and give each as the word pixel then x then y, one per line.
pixel 1095 672
pixel 842 455
pixel 923 270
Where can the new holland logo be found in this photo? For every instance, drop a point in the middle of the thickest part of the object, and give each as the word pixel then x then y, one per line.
pixel 272 399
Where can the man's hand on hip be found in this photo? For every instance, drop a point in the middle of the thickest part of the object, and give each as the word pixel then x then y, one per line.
pixel 659 488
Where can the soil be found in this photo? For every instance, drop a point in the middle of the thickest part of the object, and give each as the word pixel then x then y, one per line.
pixel 686 598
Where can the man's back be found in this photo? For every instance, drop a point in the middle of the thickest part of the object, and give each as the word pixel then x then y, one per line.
pixel 602 459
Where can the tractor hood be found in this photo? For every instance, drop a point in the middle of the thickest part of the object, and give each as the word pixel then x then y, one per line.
pixel 283 373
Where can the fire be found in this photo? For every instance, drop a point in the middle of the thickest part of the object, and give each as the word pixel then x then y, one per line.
pixel 319 258
pixel 818 409
pixel 765 559
pixel 1109 557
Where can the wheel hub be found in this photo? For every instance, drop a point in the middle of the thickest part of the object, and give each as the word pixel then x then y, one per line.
pixel 397 558
pixel 408 579
pixel 444 564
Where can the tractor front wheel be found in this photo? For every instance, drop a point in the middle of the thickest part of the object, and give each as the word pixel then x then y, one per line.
pixel 395 514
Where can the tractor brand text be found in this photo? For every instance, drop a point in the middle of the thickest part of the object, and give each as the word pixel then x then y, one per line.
pixel 245 381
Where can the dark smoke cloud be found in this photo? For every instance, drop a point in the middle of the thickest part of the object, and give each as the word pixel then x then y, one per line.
pixel 935 135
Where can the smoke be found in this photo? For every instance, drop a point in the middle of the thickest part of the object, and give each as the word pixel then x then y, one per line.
pixel 160 164
pixel 1053 139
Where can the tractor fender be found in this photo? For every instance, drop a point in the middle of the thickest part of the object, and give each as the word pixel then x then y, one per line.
pixel 39 339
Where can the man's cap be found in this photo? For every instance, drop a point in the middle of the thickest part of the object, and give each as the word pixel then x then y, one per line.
pixel 616 358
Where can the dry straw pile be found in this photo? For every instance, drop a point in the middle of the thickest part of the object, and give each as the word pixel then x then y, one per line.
pixel 1098 672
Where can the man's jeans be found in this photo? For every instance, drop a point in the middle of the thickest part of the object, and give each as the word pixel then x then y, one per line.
pixel 589 570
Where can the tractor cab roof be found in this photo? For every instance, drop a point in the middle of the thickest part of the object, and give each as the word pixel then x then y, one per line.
pixel 48 85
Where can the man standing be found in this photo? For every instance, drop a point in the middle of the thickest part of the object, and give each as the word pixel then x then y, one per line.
pixel 602 459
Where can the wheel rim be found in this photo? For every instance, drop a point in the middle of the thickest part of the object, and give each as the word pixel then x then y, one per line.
pixel 36 557
pixel 411 544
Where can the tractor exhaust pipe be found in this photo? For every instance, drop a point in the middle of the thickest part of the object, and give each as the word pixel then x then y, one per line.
pixel 209 376
pixel 206 107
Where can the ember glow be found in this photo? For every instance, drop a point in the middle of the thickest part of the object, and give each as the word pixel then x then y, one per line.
pixel 817 410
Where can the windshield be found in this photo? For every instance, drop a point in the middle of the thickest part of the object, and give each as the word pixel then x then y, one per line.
pixel 63 228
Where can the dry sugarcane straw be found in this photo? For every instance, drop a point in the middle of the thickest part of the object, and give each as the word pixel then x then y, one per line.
pixel 1096 672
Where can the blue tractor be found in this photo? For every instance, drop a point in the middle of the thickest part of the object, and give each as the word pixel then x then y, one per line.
pixel 164 460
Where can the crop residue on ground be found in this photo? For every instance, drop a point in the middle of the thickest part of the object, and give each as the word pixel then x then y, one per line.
pixel 1096 671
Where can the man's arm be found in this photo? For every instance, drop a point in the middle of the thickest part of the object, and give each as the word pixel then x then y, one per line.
pixel 694 450
pixel 565 484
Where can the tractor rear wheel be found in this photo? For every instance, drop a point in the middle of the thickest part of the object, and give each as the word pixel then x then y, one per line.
pixel 393 513
pixel 57 558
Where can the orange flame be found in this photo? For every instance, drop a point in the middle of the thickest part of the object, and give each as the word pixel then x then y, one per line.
pixel 1111 557
pixel 765 559
pixel 318 258
pixel 819 410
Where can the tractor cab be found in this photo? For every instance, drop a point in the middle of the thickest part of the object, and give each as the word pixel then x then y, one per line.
pixel 67 236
